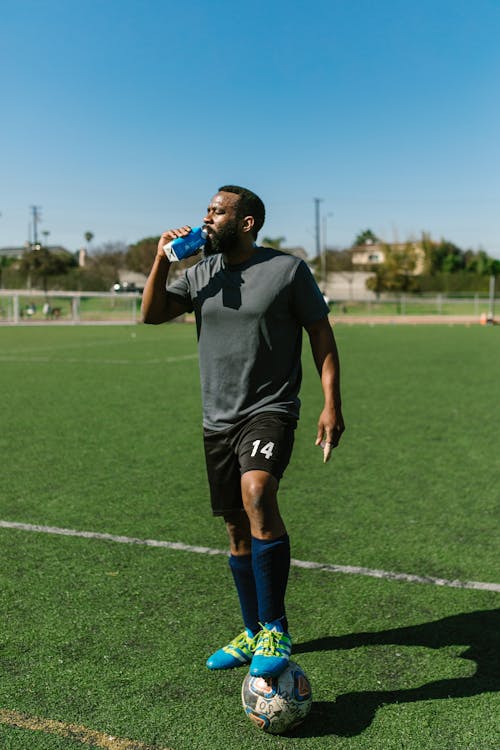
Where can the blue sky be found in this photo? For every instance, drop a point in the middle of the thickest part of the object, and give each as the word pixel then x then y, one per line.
pixel 123 117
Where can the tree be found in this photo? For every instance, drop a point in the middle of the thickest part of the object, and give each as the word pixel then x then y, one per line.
pixel 366 237
pixel 480 262
pixel 395 274
pixel 101 270
pixel 339 260
pixel 39 263
pixel 333 260
pixel 443 256
pixel 89 236
pixel 275 242
pixel 139 257
pixel 4 263
pixel 141 254
pixel 108 259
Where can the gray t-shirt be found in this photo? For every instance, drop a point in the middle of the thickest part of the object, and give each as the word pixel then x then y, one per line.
pixel 249 320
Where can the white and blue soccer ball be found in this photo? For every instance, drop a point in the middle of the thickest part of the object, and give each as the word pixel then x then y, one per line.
pixel 278 704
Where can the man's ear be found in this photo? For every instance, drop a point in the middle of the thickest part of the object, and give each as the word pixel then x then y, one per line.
pixel 247 223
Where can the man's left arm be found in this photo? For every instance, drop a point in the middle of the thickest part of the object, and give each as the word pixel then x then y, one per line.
pixel 324 349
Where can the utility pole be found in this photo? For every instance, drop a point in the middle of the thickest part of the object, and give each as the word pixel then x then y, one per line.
pixel 324 275
pixel 35 212
pixel 317 201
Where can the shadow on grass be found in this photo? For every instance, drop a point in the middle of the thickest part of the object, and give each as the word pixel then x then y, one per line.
pixel 351 713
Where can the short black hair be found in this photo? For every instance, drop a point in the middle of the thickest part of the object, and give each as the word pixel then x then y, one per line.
pixel 249 205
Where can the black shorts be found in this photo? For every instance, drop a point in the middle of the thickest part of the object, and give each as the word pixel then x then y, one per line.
pixel 264 442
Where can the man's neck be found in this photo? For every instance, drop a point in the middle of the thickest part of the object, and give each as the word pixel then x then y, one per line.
pixel 240 255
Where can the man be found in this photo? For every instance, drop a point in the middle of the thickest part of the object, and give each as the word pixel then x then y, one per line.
pixel 251 304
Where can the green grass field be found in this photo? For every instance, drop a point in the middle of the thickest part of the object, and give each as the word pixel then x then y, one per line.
pixel 104 641
pixel 411 305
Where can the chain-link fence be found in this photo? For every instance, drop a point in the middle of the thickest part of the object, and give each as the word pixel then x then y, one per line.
pixel 17 307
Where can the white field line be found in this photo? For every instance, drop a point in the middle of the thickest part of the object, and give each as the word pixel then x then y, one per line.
pixel 74 732
pixel 306 564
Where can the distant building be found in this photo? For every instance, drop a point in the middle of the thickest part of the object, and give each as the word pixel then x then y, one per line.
pixel 129 281
pixel 12 252
pixel 373 253
pixel 17 252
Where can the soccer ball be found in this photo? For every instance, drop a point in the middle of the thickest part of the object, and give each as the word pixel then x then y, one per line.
pixel 277 704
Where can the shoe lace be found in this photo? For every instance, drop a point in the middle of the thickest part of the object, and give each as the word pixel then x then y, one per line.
pixel 269 641
pixel 242 641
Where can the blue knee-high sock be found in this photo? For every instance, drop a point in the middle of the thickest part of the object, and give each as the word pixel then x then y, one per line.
pixel 241 568
pixel 271 565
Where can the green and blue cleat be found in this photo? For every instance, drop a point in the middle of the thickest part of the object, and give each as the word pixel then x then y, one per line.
pixel 237 653
pixel 272 651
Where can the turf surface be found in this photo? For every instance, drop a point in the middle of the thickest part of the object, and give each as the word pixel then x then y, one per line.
pixel 100 431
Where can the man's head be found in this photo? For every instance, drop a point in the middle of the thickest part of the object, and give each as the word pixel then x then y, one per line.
pixel 233 220
pixel 249 204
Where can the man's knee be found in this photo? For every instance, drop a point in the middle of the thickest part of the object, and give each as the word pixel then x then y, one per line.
pixel 259 491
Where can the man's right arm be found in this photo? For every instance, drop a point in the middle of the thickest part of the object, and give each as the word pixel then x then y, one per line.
pixel 157 305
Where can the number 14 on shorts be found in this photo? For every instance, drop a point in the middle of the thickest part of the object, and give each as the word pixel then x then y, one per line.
pixel 266 450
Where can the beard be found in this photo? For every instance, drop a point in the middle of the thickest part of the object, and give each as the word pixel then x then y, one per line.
pixel 224 241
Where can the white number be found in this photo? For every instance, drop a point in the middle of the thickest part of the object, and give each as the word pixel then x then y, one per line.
pixel 267 450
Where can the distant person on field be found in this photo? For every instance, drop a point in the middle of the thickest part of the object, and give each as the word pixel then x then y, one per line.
pixel 251 304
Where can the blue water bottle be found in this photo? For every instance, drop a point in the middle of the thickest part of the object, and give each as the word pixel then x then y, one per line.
pixel 183 247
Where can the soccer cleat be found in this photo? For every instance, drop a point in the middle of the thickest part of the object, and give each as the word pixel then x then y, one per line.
pixel 272 652
pixel 236 654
